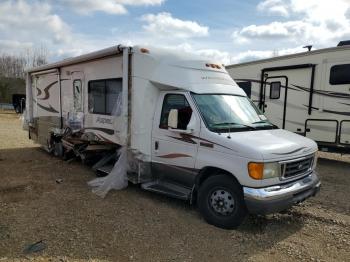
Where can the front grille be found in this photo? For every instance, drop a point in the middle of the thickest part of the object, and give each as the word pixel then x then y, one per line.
pixel 297 167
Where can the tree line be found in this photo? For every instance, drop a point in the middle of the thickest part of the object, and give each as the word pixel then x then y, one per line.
pixel 14 65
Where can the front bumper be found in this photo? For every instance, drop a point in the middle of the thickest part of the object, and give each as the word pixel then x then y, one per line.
pixel 277 198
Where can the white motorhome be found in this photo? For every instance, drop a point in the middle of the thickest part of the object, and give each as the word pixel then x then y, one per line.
pixel 190 131
pixel 307 93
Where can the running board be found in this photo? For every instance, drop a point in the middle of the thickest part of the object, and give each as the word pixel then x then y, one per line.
pixel 168 189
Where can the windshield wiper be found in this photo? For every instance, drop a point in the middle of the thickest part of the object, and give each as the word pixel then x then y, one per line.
pixel 233 123
pixel 266 122
pixel 261 121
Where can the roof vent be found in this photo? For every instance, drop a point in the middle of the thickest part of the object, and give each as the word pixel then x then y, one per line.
pixel 342 43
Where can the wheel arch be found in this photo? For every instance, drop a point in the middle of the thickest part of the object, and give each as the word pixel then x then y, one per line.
pixel 207 172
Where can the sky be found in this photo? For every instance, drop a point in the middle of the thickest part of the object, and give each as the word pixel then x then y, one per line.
pixel 230 31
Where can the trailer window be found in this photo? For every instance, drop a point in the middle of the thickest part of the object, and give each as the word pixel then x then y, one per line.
pixel 103 96
pixel 275 90
pixel 77 94
pixel 340 74
pixel 179 102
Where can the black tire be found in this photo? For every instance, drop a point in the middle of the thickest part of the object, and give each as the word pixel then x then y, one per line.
pixel 210 191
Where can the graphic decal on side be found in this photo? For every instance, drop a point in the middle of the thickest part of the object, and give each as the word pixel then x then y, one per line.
pixel 324 93
pixel 104 130
pixel 174 155
pixel 46 90
pixel 187 138
pixel 49 109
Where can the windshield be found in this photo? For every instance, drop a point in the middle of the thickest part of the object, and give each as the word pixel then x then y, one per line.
pixel 226 113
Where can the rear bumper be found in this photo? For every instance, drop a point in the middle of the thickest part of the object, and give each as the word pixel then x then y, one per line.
pixel 277 198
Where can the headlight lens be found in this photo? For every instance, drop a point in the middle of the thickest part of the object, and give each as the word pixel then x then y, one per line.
pixel 261 171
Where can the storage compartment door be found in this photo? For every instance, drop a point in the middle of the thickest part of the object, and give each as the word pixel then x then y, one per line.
pixel 322 130
pixel 345 132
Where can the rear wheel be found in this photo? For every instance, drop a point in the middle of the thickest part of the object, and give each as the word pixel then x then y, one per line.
pixel 221 202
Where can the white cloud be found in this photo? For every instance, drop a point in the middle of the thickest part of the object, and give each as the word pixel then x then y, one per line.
pixel 24 22
pixel 252 55
pixel 322 23
pixel 275 7
pixel 164 25
pixel 115 7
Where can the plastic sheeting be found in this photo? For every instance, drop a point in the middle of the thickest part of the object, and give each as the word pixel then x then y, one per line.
pixel 24 120
pixel 75 121
pixel 117 178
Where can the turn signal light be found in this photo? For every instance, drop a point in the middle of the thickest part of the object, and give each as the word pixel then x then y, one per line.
pixel 256 170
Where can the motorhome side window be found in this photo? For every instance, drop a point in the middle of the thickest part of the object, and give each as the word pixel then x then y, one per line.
pixel 105 96
pixel 247 87
pixel 77 95
pixel 179 102
pixel 340 74
pixel 275 90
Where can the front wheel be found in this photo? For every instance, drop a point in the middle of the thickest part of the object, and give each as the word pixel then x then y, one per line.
pixel 221 202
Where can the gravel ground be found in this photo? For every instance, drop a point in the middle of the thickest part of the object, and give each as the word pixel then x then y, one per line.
pixel 135 225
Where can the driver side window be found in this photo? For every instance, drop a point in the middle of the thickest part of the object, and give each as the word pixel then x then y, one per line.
pixel 179 102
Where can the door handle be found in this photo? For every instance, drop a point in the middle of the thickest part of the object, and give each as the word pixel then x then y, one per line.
pixel 156 145
pixel 307 130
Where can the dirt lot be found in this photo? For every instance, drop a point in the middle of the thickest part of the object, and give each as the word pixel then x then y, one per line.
pixel 135 225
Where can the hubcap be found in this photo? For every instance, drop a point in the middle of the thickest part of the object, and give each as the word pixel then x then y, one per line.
pixel 222 202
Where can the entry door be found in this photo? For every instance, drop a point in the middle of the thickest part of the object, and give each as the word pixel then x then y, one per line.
pixel 274 97
pixel 174 151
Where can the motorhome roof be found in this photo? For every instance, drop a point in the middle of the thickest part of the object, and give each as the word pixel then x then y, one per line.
pixel 158 53
pixel 78 59
pixel 307 53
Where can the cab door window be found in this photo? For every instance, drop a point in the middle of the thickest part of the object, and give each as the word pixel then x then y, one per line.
pixel 179 102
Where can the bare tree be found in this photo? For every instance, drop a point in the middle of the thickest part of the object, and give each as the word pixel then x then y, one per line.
pixel 13 66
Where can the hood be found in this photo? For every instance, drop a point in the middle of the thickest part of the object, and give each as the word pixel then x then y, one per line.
pixel 270 145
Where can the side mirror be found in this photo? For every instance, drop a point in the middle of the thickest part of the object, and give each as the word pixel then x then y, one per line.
pixel 173 118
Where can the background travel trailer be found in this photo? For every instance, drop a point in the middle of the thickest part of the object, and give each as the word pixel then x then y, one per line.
pixel 306 93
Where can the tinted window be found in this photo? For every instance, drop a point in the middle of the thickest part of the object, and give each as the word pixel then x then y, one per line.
pixel 103 96
pixel 179 102
pixel 340 75
pixel 275 90
pixel 247 87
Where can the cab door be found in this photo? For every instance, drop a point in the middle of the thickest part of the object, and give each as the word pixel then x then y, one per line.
pixel 174 151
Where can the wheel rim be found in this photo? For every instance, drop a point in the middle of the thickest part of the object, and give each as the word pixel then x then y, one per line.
pixel 222 202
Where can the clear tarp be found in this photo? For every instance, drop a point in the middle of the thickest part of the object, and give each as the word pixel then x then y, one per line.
pixel 117 178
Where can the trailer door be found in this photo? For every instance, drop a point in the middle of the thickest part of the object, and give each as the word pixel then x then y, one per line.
pixel 336 96
pixel 274 95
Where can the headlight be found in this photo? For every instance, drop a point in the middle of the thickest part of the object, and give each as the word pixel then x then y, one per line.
pixel 261 171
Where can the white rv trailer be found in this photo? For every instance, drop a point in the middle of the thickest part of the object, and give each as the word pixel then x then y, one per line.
pixel 190 131
pixel 307 93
